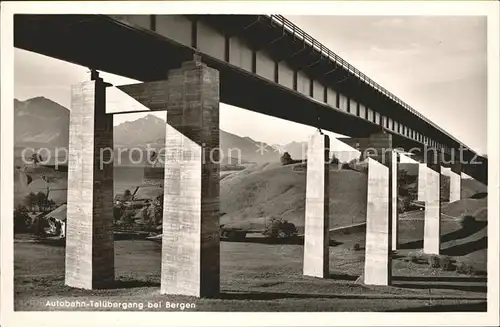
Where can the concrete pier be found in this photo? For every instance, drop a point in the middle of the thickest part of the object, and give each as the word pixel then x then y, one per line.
pixel 380 209
pixel 316 236
pixel 394 200
pixel 455 183
pixel 190 241
pixel 432 198
pixel 421 182
pixel 429 192
pixel 89 237
pixel 381 216
pixel 378 230
pixel 432 220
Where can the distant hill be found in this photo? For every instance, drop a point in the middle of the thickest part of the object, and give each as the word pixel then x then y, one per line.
pixel 140 132
pixel 41 122
pixel 272 190
pixel 250 149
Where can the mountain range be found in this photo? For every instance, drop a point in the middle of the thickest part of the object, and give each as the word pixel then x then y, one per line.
pixel 41 122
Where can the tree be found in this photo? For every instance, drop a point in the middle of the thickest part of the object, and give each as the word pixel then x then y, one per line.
pixel 36 158
pixel 30 201
pixel 146 215
pixel 335 160
pixel 158 209
pixel 127 195
pixel 51 205
pixel 128 219
pixel 22 220
pixel 286 159
pixel 41 201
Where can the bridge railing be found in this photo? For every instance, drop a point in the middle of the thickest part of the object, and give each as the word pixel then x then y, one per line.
pixel 297 31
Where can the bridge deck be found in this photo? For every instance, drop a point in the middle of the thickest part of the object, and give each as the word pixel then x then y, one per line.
pixel 104 43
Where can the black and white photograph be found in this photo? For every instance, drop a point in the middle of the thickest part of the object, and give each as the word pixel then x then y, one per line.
pixel 298 160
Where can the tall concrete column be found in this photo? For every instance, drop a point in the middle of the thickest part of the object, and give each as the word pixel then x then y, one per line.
pixel 394 200
pixel 432 228
pixel 432 198
pixel 89 236
pixel 421 182
pixel 455 183
pixel 379 215
pixel 316 235
pixel 190 241
pixel 456 170
pixel 378 229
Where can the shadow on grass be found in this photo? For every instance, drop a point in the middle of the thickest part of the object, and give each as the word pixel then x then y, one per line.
pixel 464 232
pixel 468 307
pixel 440 279
pixel 455 235
pixel 56 242
pixel 459 287
pixel 253 295
pixel 480 195
pixel 343 277
pixel 269 240
pixel 130 284
pixel 413 245
pixel 464 249
pixel 396 256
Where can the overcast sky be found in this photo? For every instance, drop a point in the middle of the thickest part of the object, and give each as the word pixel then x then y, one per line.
pixel 436 64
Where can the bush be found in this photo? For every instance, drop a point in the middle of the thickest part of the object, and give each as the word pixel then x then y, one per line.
pixel 464 268
pixel 22 220
pixel 345 166
pixel 416 257
pixel 433 261
pixel 278 228
pixel 117 212
pixel 334 160
pixel 446 263
pixel 286 159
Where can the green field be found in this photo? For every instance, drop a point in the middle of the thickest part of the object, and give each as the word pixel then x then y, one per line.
pixel 257 275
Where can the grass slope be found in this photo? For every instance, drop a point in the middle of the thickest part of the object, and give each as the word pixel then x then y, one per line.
pixel 273 190
pixel 255 276
pixel 471 186
pixel 279 191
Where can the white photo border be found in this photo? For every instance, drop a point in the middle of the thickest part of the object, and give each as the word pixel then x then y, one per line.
pixel 371 8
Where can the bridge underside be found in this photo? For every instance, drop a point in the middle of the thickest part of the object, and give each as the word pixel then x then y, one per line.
pixel 103 43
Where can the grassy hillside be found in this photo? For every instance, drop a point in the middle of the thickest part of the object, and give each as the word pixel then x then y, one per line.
pixel 471 186
pixel 272 190
pixel 465 245
pixel 465 206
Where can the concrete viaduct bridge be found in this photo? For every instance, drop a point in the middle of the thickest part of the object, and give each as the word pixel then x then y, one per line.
pixel 262 63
